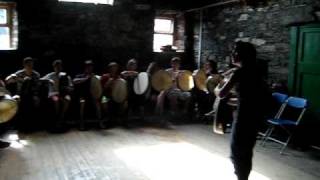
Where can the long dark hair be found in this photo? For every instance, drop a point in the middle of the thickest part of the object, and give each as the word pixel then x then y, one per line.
pixel 247 53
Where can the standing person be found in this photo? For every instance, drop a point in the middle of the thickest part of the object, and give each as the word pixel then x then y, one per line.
pixel 60 89
pixel 252 94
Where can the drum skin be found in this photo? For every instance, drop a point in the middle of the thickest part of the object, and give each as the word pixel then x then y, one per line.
pixel 141 83
pixel 95 87
pixel 200 79
pixel 161 80
pixel 8 108
pixel 212 82
pixel 185 80
pixel 119 90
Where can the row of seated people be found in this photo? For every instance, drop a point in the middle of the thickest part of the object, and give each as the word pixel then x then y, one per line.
pixel 92 92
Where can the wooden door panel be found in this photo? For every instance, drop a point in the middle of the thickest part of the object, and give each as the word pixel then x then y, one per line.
pixel 309 47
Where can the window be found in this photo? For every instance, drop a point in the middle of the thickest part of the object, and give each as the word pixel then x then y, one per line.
pixel 91 1
pixel 163 33
pixel 8 27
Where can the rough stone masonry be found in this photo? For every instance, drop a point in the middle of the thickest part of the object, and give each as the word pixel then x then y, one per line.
pixel 264 25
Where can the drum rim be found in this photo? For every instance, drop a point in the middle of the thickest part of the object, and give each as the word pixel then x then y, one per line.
pixel 196 82
pixel 13 109
pixel 147 86
pixel 163 72
pixel 178 79
pixel 126 93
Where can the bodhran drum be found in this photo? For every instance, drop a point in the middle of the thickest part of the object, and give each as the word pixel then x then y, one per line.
pixel 161 80
pixel 119 90
pixel 185 80
pixel 8 108
pixel 141 83
pixel 200 79
pixel 212 82
pixel 95 87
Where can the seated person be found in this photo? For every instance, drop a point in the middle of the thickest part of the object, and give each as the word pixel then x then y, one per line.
pixel 129 75
pixel 176 97
pixel 27 84
pixel 205 99
pixel 111 107
pixel 60 89
pixel 3 92
pixel 84 91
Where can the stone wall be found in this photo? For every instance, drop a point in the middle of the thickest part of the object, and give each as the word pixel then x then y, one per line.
pixel 263 25
pixel 49 29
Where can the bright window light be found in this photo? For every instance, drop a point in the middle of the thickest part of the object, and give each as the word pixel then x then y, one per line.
pixel 163 26
pixel 3 16
pixel 160 40
pixel 163 33
pixel 91 1
pixel 8 27
pixel 4 38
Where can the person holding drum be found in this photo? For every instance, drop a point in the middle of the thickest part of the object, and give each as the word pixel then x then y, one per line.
pixel 27 85
pixel 60 88
pixel 205 98
pixel 8 109
pixel 88 90
pixel 114 91
pixel 174 94
pixel 130 74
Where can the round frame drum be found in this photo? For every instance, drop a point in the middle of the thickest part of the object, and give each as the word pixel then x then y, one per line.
pixel 95 87
pixel 8 108
pixel 161 80
pixel 141 83
pixel 185 80
pixel 119 92
pixel 212 82
pixel 200 79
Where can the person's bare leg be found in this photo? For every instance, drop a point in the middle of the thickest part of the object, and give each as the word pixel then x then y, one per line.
pixel 82 106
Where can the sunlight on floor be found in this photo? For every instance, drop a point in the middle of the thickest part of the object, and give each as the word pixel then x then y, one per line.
pixel 179 161
pixel 16 142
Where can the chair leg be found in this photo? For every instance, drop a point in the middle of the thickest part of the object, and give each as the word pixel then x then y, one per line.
pixel 268 134
pixel 286 144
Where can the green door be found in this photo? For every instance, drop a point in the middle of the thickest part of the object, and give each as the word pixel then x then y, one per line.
pixel 304 77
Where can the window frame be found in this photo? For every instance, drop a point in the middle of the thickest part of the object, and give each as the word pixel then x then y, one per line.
pixel 70 1
pixel 9 7
pixel 172 33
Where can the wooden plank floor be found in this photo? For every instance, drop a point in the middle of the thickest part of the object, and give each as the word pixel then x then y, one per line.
pixel 183 152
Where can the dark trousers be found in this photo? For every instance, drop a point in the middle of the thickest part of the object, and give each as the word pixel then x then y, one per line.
pixel 243 139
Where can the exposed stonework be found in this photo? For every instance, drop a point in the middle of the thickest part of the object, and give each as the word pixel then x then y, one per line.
pixel 264 26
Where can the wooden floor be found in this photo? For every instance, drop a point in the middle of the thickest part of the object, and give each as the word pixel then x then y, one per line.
pixel 186 152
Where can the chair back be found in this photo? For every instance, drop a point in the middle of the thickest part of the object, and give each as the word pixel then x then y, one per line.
pixel 296 103
pixel 279 97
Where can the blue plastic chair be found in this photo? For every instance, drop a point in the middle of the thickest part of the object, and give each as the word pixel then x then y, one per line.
pixel 279 99
pixel 285 124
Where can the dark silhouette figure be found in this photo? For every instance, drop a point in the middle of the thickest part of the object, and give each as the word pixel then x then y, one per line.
pixel 252 92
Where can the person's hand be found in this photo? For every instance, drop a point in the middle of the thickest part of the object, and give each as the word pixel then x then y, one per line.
pixel 51 81
pixel 27 78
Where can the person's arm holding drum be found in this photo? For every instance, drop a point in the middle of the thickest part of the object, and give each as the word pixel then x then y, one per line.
pixel 225 86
